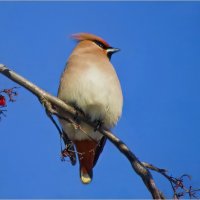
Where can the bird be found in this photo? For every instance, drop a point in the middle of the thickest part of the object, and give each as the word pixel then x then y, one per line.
pixel 90 84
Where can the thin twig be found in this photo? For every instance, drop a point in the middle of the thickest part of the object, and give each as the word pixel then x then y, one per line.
pixel 177 184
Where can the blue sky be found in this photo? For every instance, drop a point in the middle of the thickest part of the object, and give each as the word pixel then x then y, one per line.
pixel 159 70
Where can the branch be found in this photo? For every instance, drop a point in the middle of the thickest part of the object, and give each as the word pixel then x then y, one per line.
pixel 44 97
pixel 177 184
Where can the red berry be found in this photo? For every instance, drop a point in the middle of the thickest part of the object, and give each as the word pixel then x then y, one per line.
pixel 2 100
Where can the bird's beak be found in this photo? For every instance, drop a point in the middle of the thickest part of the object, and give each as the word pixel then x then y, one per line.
pixel 112 50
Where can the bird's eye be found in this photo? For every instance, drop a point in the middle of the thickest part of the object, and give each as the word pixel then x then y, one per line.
pixel 100 44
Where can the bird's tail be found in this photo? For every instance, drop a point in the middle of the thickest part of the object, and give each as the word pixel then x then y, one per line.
pixel 86 175
pixel 86 153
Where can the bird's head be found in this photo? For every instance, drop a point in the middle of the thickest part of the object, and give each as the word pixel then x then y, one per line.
pixel 99 42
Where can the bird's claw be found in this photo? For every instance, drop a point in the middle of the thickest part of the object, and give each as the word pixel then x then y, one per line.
pixel 99 124
pixel 77 110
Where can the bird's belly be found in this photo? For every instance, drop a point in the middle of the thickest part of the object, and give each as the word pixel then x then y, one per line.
pixel 98 96
pixel 83 132
pixel 100 103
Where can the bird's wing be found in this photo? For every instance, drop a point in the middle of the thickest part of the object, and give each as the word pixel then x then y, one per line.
pixel 99 149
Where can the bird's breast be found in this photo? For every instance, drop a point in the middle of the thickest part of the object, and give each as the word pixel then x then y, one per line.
pixel 94 87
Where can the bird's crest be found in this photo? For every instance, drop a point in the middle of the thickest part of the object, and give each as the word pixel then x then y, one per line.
pixel 91 37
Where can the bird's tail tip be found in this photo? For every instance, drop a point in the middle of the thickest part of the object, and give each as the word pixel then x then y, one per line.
pixel 86 177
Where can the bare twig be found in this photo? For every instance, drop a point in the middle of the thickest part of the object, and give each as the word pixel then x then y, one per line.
pixel 2 112
pixel 10 93
pixel 139 168
pixel 69 150
pixel 177 184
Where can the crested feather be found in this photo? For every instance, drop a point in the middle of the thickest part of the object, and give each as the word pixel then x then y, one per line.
pixel 88 36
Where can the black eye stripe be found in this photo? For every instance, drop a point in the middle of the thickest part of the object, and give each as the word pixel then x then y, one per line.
pixel 100 44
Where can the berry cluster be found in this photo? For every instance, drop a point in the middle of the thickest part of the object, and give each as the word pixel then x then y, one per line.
pixel 10 94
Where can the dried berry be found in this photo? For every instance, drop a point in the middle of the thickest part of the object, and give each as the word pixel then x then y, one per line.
pixel 2 101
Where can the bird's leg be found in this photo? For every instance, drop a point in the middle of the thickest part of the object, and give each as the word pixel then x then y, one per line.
pixel 99 124
pixel 78 110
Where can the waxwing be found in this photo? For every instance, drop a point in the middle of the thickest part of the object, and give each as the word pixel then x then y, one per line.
pixel 90 84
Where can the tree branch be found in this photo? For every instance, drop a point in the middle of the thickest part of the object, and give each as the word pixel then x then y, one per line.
pixel 177 184
pixel 43 96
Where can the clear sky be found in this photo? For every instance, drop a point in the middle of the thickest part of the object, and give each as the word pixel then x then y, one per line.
pixel 159 70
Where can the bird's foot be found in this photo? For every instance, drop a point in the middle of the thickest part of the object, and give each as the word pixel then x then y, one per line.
pixel 99 124
pixel 78 110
